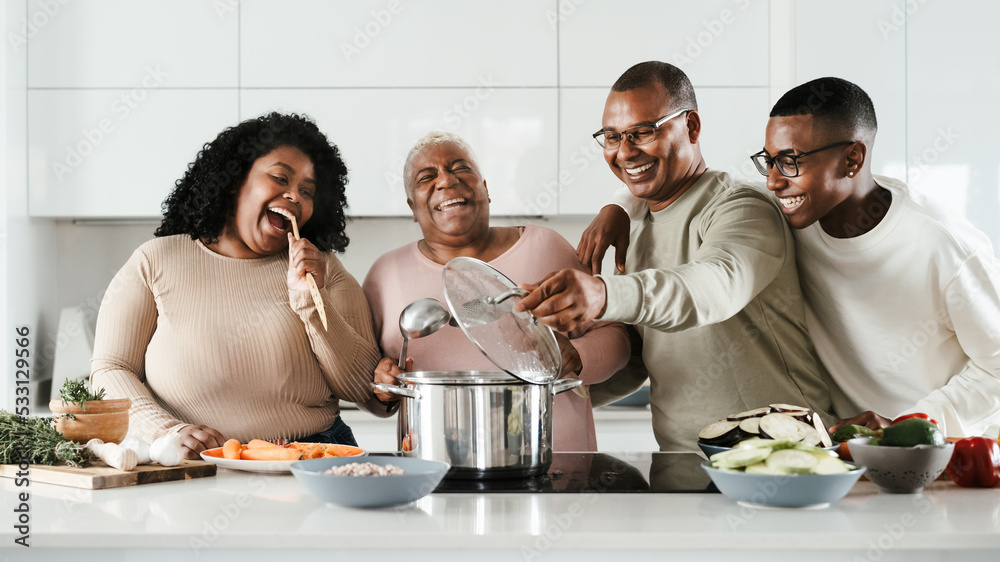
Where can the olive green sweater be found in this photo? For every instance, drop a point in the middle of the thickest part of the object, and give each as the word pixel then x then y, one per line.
pixel 712 288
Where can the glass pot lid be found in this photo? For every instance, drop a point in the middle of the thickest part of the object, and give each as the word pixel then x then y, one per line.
pixel 514 341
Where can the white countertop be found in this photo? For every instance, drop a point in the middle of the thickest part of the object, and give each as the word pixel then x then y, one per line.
pixel 246 516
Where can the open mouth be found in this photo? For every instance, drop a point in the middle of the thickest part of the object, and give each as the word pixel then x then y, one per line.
pixel 791 203
pixel 637 171
pixel 450 204
pixel 280 219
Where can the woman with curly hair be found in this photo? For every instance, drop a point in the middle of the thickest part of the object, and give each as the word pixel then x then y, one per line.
pixel 210 328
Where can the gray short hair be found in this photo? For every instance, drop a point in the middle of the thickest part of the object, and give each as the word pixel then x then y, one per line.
pixel 434 138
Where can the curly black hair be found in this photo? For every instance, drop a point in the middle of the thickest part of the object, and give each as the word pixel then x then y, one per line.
pixel 205 198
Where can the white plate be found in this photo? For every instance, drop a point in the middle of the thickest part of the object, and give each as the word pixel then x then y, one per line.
pixel 215 457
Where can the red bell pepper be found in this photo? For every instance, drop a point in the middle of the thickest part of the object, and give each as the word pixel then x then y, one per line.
pixel 920 415
pixel 975 463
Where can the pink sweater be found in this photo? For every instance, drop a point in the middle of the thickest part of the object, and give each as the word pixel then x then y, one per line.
pixel 404 275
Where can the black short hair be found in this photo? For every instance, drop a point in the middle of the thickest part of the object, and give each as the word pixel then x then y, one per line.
pixel 205 198
pixel 669 76
pixel 841 106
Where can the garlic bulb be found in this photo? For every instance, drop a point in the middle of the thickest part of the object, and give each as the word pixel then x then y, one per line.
pixel 167 451
pixel 137 444
pixel 113 454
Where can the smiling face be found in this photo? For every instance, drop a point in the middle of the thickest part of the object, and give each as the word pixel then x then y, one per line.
pixel 661 170
pixel 822 190
pixel 281 184
pixel 448 196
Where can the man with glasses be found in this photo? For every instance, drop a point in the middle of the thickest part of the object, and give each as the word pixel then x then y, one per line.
pixel 711 285
pixel 902 298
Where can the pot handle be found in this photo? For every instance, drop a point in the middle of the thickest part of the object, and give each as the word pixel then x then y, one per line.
pixel 562 385
pixel 403 391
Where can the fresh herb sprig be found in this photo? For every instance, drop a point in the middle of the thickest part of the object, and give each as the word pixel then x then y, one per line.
pixel 76 392
pixel 36 441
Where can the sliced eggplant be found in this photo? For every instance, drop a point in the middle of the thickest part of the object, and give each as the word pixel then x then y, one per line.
pixel 750 426
pixel 722 433
pixel 785 427
pixel 785 408
pixel 824 435
pixel 755 413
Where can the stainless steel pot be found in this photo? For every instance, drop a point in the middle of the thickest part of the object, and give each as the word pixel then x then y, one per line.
pixel 486 424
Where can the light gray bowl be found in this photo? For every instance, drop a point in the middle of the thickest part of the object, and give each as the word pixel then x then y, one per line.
pixel 901 470
pixel 788 490
pixel 420 478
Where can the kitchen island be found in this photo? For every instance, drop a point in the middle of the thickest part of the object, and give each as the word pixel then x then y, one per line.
pixel 250 516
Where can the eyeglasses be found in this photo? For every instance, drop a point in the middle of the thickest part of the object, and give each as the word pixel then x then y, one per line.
pixel 638 134
pixel 787 164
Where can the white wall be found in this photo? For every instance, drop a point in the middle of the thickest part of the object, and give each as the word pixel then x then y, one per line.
pixel 932 68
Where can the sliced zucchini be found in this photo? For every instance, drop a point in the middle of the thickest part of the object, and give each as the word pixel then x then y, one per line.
pixel 755 413
pixel 762 468
pixel 722 433
pixel 792 461
pixel 750 426
pixel 829 464
pixel 741 457
pixel 756 443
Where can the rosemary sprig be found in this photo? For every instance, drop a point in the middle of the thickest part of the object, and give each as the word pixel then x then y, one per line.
pixel 76 392
pixel 36 441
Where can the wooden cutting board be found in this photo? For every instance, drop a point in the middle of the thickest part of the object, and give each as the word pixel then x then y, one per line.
pixel 98 476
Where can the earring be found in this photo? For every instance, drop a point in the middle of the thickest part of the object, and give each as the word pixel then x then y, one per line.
pixel 850 174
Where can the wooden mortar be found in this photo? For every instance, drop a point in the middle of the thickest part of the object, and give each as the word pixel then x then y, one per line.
pixel 106 420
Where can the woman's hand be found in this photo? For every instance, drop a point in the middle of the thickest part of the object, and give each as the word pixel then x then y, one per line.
pixel 385 373
pixel 304 258
pixel 571 363
pixel 194 439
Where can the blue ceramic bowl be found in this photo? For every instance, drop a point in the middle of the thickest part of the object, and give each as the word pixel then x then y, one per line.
pixel 420 478
pixel 786 490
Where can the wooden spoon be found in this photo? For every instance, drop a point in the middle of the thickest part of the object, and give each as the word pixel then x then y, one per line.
pixel 313 289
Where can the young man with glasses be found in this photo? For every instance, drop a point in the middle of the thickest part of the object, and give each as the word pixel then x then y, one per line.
pixel 711 287
pixel 902 298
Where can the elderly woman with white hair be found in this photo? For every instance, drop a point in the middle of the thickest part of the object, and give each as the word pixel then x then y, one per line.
pixel 447 194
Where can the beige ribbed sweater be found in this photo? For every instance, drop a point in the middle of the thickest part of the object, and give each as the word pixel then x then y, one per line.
pixel 194 337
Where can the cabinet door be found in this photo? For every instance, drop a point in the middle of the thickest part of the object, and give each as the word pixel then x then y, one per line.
pixel 716 43
pixel 733 121
pixel 116 153
pixel 513 133
pixel 863 42
pixel 394 43
pixel 953 75
pixel 112 43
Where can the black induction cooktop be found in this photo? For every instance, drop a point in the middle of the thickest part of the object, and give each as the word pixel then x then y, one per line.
pixel 630 472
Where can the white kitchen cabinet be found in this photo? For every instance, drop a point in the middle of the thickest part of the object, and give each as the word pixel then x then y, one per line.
pixel 111 43
pixel 865 43
pixel 395 43
pixel 733 121
pixel 716 43
pixel 112 153
pixel 512 131
pixel 953 82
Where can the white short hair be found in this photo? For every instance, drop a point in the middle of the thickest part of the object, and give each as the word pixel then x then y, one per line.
pixel 434 138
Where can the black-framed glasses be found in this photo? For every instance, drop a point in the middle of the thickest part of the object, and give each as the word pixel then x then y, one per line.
pixel 636 134
pixel 787 164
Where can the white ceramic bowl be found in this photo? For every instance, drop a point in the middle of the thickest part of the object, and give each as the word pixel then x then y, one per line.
pixel 786 490
pixel 420 478
pixel 901 470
